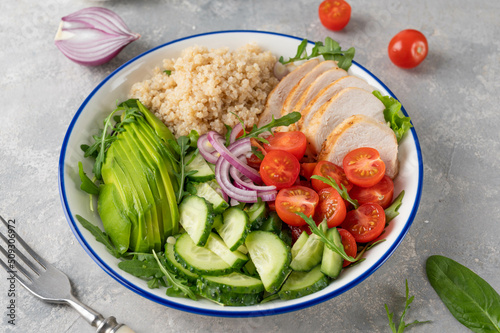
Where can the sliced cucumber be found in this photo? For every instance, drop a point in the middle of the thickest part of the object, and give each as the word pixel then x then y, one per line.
pixel 243 249
pixel 174 266
pixel 197 218
pixel 310 254
pixel 227 298
pixel 250 269
pixel 217 221
pixel 256 214
pixel 271 257
pixel 286 236
pixel 235 259
pixel 203 171
pixel 299 243
pixel 197 259
pixel 272 223
pixel 234 282
pixel 234 227
pixel 301 284
pixel 206 191
pixel 332 262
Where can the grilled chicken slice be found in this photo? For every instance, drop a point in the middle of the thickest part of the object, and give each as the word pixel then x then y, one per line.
pixel 346 103
pixel 278 95
pixel 328 92
pixel 362 131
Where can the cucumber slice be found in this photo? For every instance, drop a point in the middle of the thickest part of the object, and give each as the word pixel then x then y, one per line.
pixel 243 249
pixel 301 284
pixel 175 266
pixel 227 298
pixel 286 236
pixel 234 282
pixel 256 214
pixel 272 223
pixel 234 228
pixel 299 243
pixel 197 218
pixel 203 172
pixel 271 257
pixel 197 259
pixel 217 221
pixel 250 269
pixel 310 254
pixel 332 262
pixel 206 191
pixel 235 259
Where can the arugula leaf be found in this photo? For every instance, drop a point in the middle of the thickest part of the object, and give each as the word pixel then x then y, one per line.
pixel 99 235
pixel 399 123
pixel 256 151
pixel 330 50
pixel 343 192
pixel 167 71
pixel 229 129
pixel 392 211
pixel 179 286
pixel 327 241
pixel 402 325
pixel 286 120
pixel 144 267
pixel 87 184
pixel 470 299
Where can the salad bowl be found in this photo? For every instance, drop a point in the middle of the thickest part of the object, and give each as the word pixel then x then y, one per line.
pixel 116 86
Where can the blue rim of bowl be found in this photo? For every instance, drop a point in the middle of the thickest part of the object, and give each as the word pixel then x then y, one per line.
pixel 210 312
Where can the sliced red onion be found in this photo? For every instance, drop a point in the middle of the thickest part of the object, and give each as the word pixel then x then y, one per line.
pixel 222 177
pixel 234 202
pixel 93 36
pixel 234 133
pixel 280 70
pixel 247 183
pixel 207 150
pixel 268 195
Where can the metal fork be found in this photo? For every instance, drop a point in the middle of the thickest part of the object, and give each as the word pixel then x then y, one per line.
pixel 48 283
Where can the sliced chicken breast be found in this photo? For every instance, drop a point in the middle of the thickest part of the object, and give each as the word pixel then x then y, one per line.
pixel 278 95
pixel 362 131
pixel 328 92
pixel 346 103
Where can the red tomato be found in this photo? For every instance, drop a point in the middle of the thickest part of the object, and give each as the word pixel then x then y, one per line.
pixel 297 231
pixel 253 160
pixel 334 14
pixel 380 193
pixel 408 48
pixel 279 168
pixel 363 167
pixel 350 246
pixel 307 169
pixel 328 169
pixel 294 200
pixel 271 205
pixel 365 223
pixel 293 142
pixel 330 207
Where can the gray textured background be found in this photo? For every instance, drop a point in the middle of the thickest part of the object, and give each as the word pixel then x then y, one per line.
pixel 452 97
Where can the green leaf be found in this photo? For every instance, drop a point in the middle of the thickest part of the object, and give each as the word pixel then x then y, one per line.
pixel 168 72
pixel 193 139
pixel 392 211
pixel 343 192
pixel 286 120
pixel 141 268
pixel 179 286
pixel 398 122
pixel 470 299
pixel 87 184
pixel 229 129
pixel 99 235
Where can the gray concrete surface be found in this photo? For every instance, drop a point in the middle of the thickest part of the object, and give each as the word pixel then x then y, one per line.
pixel 453 99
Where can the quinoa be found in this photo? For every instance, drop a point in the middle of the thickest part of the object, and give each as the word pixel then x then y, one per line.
pixel 206 86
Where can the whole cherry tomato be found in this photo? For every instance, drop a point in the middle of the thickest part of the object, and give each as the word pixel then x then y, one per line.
pixel 408 48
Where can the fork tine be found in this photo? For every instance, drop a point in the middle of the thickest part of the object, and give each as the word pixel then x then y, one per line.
pixel 28 249
pixel 19 254
pixel 18 267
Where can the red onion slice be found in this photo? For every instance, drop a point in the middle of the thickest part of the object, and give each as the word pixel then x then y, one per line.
pixel 234 133
pixel 222 177
pixel 207 150
pixel 237 177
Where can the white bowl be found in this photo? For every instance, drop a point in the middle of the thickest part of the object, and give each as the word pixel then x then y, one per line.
pixel 115 87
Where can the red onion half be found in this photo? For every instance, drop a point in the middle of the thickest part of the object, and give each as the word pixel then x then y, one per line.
pixel 93 36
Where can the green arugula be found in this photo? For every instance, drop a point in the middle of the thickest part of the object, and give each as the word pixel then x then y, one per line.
pixel 178 287
pixel 99 235
pixel 167 71
pixel 470 299
pixel 330 50
pixel 87 184
pixel 392 211
pixel 399 123
pixel 343 192
pixel 286 120
pixel 368 246
pixel 402 325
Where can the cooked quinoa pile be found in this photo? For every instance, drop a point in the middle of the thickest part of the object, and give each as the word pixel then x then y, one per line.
pixel 205 87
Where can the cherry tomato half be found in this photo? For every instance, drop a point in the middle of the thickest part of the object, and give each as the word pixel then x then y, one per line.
pixel 365 223
pixel 294 142
pixel 350 246
pixel 408 48
pixel 364 167
pixel 380 193
pixel 279 168
pixel 334 14
pixel 330 207
pixel 297 231
pixel 307 169
pixel 253 160
pixel 328 169
pixel 290 201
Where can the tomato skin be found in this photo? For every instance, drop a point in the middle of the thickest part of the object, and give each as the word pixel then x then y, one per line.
pixel 290 201
pixel 380 193
pixel 408 48
pixel 364 167
pixel 328 169
pixel 271 205
pixel 253 160
pixel 307 169
pixel 297 231
pixel 350 246
pixel 279 168
pixel 365 223
pixel 334 14
pixel 330 206
pixel 294 142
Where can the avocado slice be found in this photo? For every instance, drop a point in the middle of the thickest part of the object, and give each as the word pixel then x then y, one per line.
pixel 161 130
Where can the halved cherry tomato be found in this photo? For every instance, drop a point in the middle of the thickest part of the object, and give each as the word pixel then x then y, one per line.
pixel 293 142
pixel 328 169
pixel 365 223
pixel 279 168
pixel 253 160
pixel 364 167
pixel 380 193
pixel 297 231
pixel 294 200
pixel 334 14
pixel 408 48
pixel 307 169
pixel 350 246
pixel 330 207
